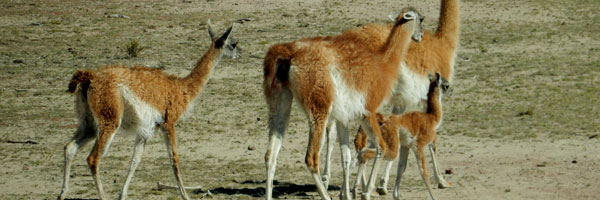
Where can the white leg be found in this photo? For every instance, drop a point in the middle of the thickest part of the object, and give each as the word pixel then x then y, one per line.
pixel 80 139
pixel 385 177
pixel 279 113
pixel 275 141
pixel 442 183
pixel 138 150
pixel 331 135
pixel 401 168
pixel 374 141
pixel 320 188
pixel 420 166
pixel 360 176
pixel 344 139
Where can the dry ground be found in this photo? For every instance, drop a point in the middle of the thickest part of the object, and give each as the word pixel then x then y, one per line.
pixel 522 123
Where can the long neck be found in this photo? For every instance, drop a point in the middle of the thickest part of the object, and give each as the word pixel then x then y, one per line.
pixel 449 22
pixel 397 43
pixel 434 102
pixel 200 74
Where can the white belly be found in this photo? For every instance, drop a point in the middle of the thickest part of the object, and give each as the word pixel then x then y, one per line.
pixel 410 90
pixel 348 103
pixel 138 116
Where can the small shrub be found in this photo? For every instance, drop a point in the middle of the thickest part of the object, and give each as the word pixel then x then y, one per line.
pixel 134 48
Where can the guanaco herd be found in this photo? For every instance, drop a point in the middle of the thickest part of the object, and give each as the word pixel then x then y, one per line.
pixel 334 79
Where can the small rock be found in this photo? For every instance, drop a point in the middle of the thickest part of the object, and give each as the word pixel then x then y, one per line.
pixel 574 162
pixel 449 171
pixel 593 136
pixel 251 148
pixel 115 181
pixel 18 61
pixel 258 119
pixel 118 16
pixel 541 165
pixel 507 190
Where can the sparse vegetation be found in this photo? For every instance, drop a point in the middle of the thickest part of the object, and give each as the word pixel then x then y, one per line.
pixel 541 62
pixel 134 48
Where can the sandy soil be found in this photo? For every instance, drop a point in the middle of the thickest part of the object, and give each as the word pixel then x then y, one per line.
pixel 522 122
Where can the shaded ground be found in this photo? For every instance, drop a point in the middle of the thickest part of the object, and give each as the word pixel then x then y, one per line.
pixel 522 122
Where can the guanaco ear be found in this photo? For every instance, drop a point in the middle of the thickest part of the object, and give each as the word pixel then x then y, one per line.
pixel 410 15
pixel 393 16
pixel 211 33
pixel 221 41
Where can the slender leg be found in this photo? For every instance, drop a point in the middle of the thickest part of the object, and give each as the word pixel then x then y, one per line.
pixel 279 114
pixel 81 138
pixel 331 135
pixel 385 177
pixel 106 133
pixel 317 128
pixel 401 168
pixel 421 165
pixel 442 183
pixel 360 176
pixel 138 150
pixel 371 126
pixel 171 143
pixel 344 139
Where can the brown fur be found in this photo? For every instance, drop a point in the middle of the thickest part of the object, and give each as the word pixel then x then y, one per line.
pixel 371 73
pixel 303 70
pixel 436 51
pixel 103 102
pixel 390 138
pixel 420 125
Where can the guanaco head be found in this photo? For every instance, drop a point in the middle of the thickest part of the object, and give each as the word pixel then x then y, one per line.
pixel 225 42
pixel 440 82
pixel 410 14
pixel 446 89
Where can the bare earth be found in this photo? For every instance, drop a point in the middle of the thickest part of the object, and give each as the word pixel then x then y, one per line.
pixel 522 122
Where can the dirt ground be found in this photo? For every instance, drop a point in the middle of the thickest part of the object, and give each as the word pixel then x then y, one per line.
pixel 522 122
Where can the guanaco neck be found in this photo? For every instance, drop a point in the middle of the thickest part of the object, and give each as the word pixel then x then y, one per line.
pixel 398 42
pixel 199 75
pixel 434 106
pixel 449 22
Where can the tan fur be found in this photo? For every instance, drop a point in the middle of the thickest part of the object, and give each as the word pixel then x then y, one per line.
pixel 390 138
pixel 420 125
pixel 436 51
pixel 101 105
pixel 371 73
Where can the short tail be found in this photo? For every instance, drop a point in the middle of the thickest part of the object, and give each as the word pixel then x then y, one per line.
pixel 81 78
pixel 276 68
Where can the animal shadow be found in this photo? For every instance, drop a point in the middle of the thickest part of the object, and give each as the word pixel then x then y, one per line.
pixel 279 189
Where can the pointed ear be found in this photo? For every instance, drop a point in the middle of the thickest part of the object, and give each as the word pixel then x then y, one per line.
pixel 221 41
pixel 393 16
pixel 429 76
pixel 438 77
pixel 211 33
